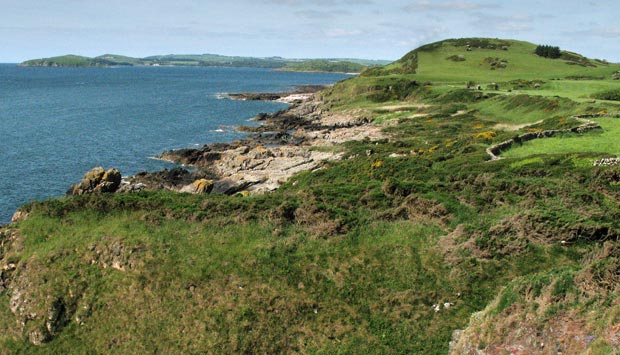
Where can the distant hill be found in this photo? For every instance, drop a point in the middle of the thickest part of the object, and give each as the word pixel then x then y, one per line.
pixel 61 61
pixel 109 60
pixel 322 65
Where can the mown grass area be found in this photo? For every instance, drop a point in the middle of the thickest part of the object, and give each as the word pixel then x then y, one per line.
pixel 577 90
pixel 385 252
pixel 606 143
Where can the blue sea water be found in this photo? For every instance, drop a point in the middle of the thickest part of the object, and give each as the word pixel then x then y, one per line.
pixel 58 123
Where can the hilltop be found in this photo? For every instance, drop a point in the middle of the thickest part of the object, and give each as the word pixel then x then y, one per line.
pixel 412 238
pixel 490 59
pixel 108 60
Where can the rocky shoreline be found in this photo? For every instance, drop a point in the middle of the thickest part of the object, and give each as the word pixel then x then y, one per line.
pixel 284 144
pixel 300 93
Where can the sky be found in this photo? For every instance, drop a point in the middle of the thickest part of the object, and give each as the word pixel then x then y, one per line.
pixel 372 29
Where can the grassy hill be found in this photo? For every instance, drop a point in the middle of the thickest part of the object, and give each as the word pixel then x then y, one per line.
pixel 491 60
pixel 388 251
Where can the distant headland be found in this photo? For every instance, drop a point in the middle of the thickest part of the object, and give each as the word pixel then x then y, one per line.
pixel 332 65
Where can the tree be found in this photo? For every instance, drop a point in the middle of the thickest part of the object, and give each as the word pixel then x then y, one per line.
pixel 548 51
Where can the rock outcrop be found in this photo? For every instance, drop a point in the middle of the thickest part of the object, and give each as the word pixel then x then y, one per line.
pixel 19 216
pixel 98 180
pixel 177 179
pixel 300 93
pixel 201 186
pixel 570 312
pixel 282 146
pixel 174 179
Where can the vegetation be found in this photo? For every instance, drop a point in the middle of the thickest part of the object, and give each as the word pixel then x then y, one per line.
pixel 548 51
pixel 322 65
pixel 613 95
pixel 385 252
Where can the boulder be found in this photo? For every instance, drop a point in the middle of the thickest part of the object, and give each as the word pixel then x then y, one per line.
pixel 110 181
pixel 237 182
pixel 200 186
pixel 98 180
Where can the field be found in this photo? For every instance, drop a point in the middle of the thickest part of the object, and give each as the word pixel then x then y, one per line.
pixel 605 143
pixel 388 251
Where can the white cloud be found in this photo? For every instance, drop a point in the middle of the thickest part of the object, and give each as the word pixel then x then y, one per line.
pixel 600 32
pixel 447 6
pixel 321 2
pixel 509 24
pixel 321 15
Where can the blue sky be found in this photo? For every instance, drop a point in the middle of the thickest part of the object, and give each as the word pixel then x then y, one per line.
pixel 376 29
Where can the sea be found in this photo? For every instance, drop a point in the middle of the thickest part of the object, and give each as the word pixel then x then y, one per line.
pixel 58 123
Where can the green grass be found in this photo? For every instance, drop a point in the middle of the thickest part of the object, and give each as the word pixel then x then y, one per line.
pixel 605 143
pixel 523 109
pixel 578 90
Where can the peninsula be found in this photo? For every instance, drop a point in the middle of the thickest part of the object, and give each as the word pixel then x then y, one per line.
pixel 375 216
pixel 111 60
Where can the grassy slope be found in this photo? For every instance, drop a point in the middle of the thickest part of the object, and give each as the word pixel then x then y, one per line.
pixel 351 258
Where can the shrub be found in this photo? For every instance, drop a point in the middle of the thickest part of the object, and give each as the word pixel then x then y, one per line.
pixel 456 58
pixel 613 94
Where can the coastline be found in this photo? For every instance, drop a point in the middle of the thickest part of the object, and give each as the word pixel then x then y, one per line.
pixel 302 137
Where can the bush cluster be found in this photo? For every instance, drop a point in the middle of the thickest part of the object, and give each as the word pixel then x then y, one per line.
pixel 613 94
